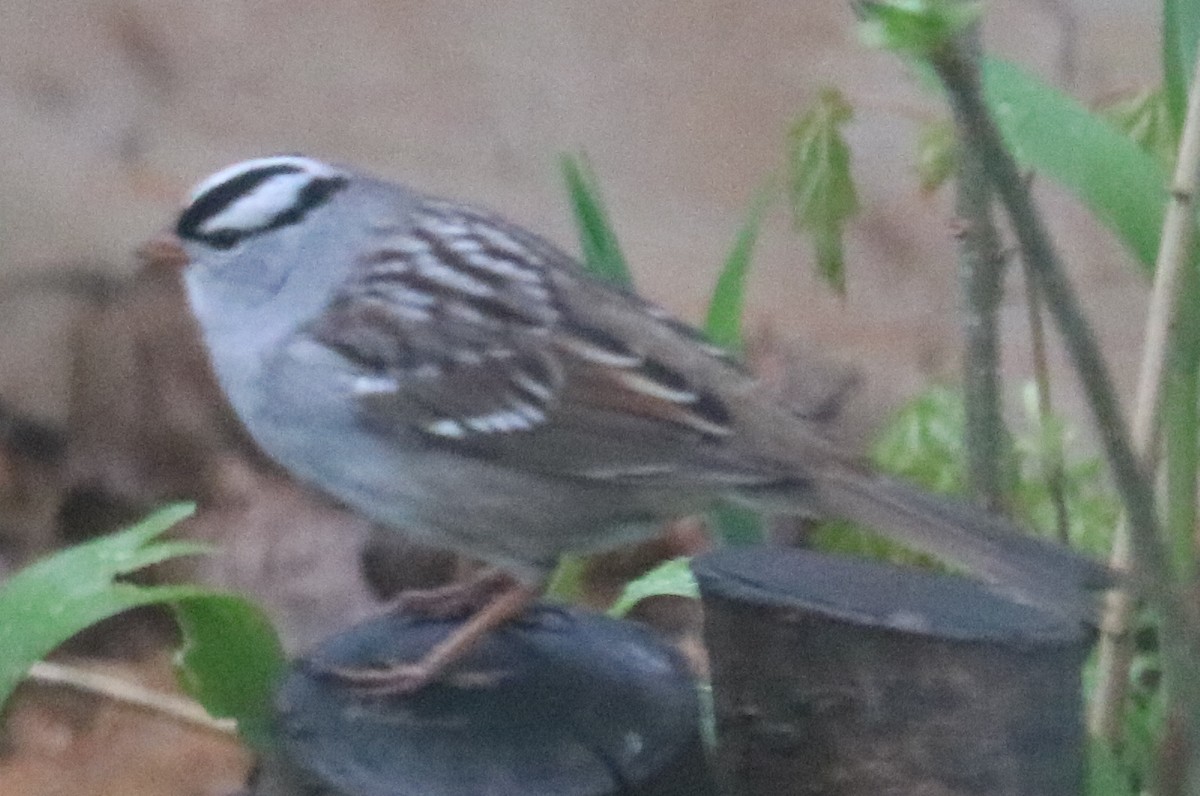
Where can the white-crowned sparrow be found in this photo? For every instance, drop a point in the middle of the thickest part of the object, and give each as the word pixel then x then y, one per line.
pixel 446 372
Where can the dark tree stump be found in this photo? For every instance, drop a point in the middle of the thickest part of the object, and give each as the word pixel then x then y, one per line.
pixel 841 676
pixel 580 704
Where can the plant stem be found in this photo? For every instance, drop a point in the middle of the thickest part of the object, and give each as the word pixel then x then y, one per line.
pixel 966 97
pixel 1150 567
pixel 1174 254
pixel 981 277
pixel 178 708
pixel 1181 393
pixel 1055 476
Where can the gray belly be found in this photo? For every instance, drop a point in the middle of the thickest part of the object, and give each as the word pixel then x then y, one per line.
pixel 521 521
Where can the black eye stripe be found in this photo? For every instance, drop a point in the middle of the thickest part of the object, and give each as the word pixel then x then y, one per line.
pixel 219 198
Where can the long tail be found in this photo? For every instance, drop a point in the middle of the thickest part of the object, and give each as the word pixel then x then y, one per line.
pixel 1023 567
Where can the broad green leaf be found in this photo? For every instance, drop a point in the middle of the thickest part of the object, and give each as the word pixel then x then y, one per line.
pixel 672 577
pixel 231 654
pixel 820 187
pixel 601 251
pixel 736 524
pixel 915 27
pixel 51 600
pixel 1048 131
pixel 1146 120
pixel 937 154
pixel 1181 29
pixel 231 660
pixel 725 309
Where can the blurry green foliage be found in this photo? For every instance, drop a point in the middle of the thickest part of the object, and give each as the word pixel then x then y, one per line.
pixel 915 27
pixel 937 154
pixel 820 186
pixel 598 241
pixel 231 655
pixel 1145 119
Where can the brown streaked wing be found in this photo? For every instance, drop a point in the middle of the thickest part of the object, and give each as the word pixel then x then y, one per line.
pixel 458 334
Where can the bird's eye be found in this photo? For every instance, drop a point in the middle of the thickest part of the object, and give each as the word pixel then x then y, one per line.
pixel 256 196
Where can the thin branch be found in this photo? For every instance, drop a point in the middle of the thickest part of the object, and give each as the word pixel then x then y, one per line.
pixel 178 708
pixel 966 97
pixel 1056 477
pixel 981 278
pixel 1116 645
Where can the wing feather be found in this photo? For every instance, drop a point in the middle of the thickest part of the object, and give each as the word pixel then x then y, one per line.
pixel 456 327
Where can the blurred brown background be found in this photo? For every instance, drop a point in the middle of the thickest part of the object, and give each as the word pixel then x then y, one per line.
pixel 111 109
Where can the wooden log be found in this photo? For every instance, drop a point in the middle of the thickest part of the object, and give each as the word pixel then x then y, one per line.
pixel 842 676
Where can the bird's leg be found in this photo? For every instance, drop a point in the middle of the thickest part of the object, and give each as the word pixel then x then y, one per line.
pixel 457 599
pixel 405 678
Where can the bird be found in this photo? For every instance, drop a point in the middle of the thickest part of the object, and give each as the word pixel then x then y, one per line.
pixel 448 373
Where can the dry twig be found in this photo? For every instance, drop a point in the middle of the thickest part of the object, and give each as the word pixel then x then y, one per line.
pixel 178 708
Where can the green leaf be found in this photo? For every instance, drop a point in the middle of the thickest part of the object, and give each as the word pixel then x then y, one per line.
pixel 49 601
pixel 820 187
pixel 231 660
pixel 937 154
pixel 1145 119
pixel 844 538
pixel 923 442
pixel 566 582
pixel 601 251
pixel 231 654
pixel 672 578
pixel 915 27
pixel 1121 184
pixel 724 322
pixel 1181 30
pixel 737 525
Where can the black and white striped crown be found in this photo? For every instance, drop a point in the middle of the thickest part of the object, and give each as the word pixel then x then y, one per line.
pixel 255 196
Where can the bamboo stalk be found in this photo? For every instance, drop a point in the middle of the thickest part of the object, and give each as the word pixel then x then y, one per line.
pixel 1116 644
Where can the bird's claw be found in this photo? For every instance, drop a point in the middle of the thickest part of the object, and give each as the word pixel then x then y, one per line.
pixel 398 679
pixel 403 679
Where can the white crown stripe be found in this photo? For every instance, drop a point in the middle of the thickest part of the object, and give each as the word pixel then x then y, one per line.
pixel 261 206
pixel 313 168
